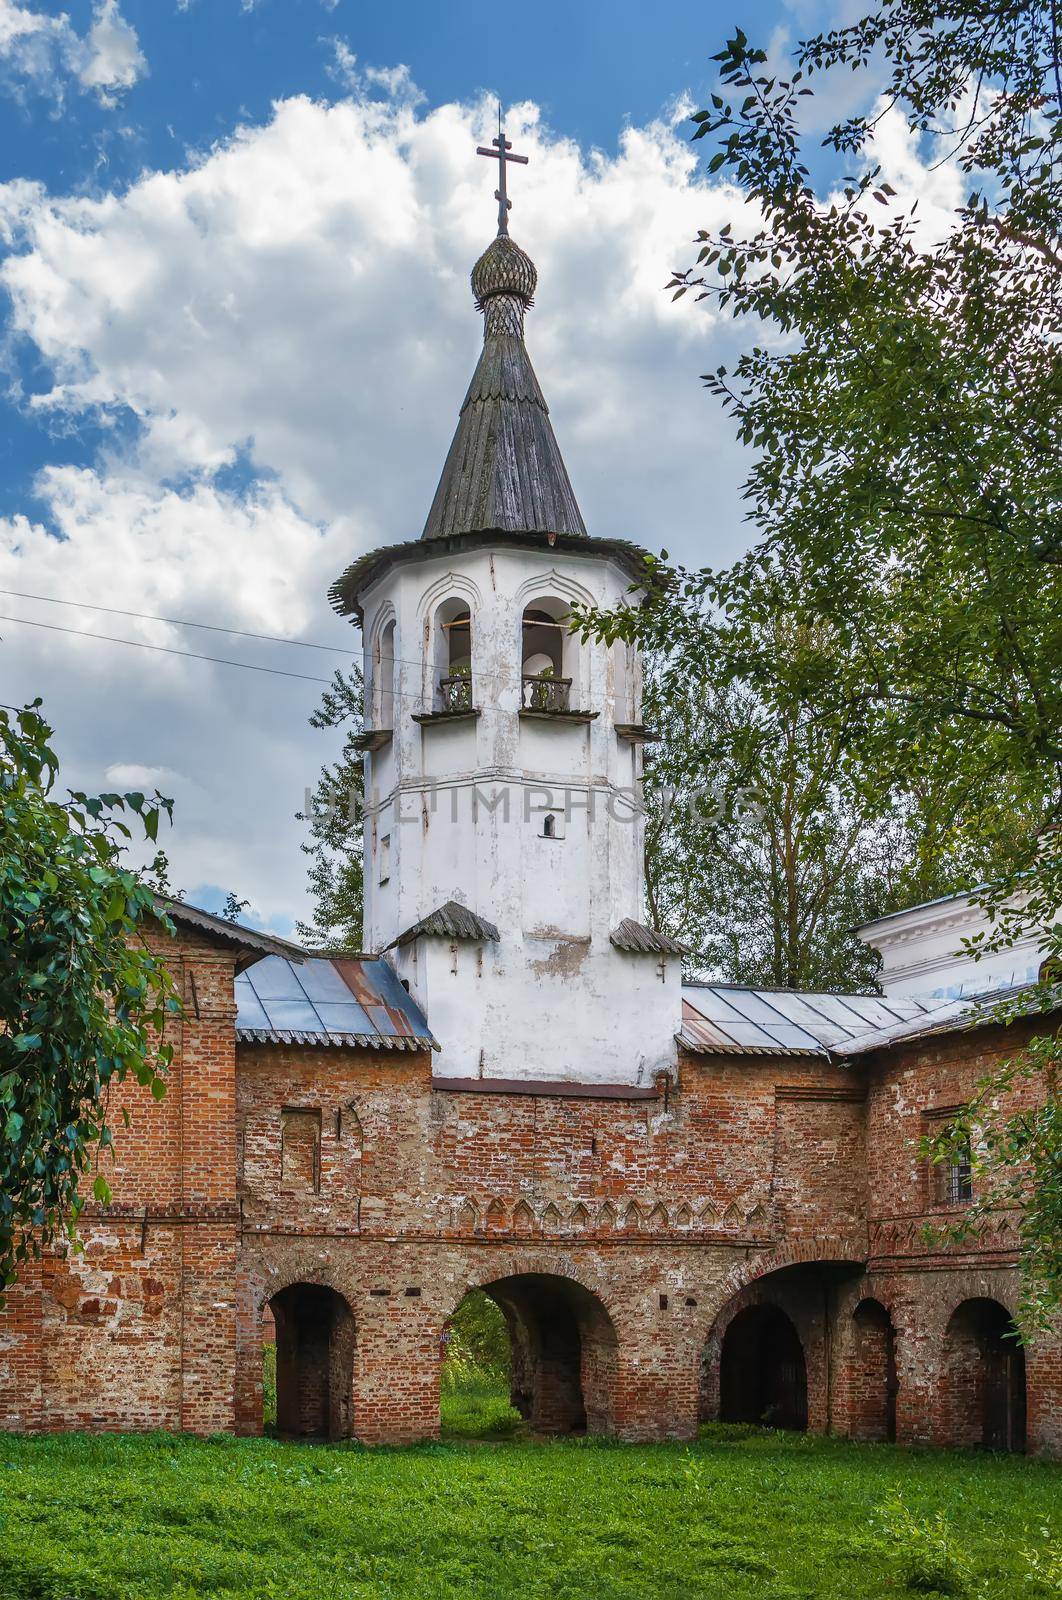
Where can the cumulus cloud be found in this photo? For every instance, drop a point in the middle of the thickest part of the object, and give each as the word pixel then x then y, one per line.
pixel 46 53
pixel 285 330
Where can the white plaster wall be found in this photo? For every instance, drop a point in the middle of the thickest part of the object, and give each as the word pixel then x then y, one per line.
pixel 922 952
pixel 463 804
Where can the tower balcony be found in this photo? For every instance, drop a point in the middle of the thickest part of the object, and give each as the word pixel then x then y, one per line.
pixel 546 694
pixel 455 693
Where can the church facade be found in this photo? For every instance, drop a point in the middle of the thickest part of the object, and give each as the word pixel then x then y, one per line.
pixel 690 1200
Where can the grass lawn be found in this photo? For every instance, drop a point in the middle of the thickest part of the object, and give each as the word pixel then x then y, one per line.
pixel 487 1514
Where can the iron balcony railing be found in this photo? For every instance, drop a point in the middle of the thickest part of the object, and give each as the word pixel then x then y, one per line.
pixel 455 694
pixel 547 694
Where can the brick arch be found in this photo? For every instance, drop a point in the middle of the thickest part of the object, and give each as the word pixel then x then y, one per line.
pixel 563 1341
pixel 999 1284
pixel 798 1252
pixel 739 1290
pixel 521 1263
pixel 299 1267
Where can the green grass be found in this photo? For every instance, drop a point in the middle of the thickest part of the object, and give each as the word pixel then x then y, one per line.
pixel 474 1403
pixel 741 1515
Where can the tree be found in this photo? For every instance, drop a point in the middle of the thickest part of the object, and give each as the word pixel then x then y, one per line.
pixel 903 410
pixel 234 907
pixel 334 815
pixel 906 485
pixel 84 999
pixel 769 838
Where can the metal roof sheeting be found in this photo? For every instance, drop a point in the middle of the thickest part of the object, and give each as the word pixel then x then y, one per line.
pixel 633 937
pixel 249 940
pixel 722 1019
pixel 451 921
pixel 337 1000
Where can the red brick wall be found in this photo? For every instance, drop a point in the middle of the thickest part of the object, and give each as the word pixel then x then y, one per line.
pixel 750 1184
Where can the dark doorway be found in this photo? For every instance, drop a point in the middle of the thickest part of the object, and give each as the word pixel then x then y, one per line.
pixel 562 1353
pixel 985 1376
pixel 873 1380
pixel 762 1374
pixel 314 1361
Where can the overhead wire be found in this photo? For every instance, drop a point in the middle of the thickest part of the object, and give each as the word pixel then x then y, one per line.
pixel 213 627
pixel 140 644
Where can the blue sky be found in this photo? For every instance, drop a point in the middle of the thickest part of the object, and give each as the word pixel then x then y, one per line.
pixel 234 252
pixel 211 65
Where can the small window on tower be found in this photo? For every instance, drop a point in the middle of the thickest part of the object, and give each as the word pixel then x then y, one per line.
pixel 385 859
pixel 549 826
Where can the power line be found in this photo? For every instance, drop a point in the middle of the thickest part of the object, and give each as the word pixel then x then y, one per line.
pixel 216 628
pixel 138 644
pixel 175 622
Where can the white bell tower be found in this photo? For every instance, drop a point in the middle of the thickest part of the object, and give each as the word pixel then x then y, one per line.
pixel 504 830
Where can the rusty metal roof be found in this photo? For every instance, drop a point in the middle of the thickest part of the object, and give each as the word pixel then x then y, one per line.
pixel 337 1000
pixel 632 936
pixel 451 921
pixel 727 1019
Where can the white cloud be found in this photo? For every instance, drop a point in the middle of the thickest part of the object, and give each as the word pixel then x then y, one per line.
pixel 290 321
pixel 45 53
pixel 113 60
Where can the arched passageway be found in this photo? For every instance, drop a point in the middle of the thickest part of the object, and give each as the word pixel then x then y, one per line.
pixel 762 1373
pixel 984 1376
pixel 562 1354
pixel 314 1362
pixel 873 1383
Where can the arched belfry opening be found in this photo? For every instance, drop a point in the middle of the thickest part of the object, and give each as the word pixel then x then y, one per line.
pixel 548 658
pixel 984 1378
pixel 561 1357
pixel 762 1372
pixel 314 1362
pixel 384 687
pixel 453 657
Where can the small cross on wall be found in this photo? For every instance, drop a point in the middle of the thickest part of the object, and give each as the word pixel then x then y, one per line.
pixel 501 154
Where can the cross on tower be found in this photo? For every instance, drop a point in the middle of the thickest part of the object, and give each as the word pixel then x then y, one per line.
pixel 500 154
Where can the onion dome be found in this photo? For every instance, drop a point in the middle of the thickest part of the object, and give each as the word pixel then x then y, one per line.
pixel 504 472
pixel 504 268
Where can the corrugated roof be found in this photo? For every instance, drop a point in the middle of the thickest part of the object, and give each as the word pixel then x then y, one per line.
pixel 337 1000
pixel 451 921
pixel 725 1019
pixel 633 937
pixel 249 941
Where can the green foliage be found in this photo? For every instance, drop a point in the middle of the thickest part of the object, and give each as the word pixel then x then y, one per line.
pixel 84 1003
pixel 269 1386
pixel 932 1560
pixel 902 413
pixel 334 815
pixel 478 1336
pixel 770 833
pixel 475 1405
pixel 767 1517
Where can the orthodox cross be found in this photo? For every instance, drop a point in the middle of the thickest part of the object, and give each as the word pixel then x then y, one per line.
pixel 500 154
